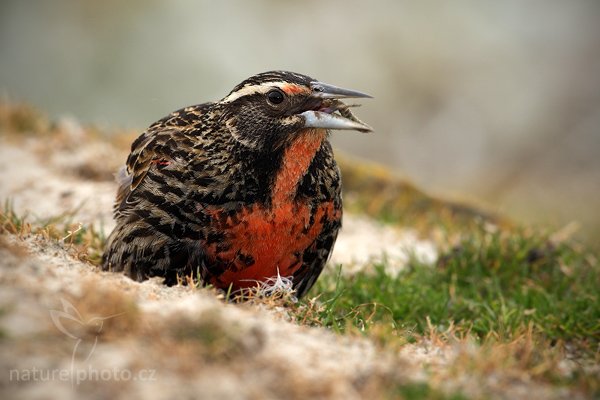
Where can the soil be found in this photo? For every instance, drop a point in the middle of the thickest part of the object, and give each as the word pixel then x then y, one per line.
pixel 69 330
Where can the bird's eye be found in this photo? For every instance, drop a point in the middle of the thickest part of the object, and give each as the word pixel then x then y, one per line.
pixel 275 96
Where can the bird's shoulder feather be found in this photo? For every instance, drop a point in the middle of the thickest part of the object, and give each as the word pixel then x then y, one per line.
pixel 169 140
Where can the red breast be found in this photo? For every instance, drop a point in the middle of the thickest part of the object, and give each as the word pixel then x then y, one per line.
pixel 265 241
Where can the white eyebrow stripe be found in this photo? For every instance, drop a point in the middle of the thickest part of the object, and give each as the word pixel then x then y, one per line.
pixel 251 89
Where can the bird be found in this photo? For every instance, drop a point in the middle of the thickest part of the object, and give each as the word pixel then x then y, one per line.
pixel 237 191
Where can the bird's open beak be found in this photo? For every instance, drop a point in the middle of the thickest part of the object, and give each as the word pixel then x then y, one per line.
pixel 324 91
pixel 325 116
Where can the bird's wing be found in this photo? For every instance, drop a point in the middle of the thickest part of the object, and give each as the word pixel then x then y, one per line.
pixel 316 256
pixel 162 146
pixel 150 150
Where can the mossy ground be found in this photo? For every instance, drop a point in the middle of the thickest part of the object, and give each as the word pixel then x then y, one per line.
pixel 524 299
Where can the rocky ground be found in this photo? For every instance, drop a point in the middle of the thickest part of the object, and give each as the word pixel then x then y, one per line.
pixel 69 330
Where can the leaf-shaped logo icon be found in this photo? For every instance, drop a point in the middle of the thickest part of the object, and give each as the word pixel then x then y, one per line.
pixel 70 314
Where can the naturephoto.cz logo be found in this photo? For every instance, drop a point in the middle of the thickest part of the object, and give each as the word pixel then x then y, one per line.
pixel 85 334
pixel 79 375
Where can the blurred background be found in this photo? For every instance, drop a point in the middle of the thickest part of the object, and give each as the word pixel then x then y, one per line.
pixel 497 101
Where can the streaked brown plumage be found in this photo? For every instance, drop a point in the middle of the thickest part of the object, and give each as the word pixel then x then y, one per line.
pixel 238 191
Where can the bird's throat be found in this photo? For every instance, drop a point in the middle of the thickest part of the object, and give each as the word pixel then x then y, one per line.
pixel 296 159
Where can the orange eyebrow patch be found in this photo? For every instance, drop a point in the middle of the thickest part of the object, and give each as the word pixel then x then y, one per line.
pixel 290 88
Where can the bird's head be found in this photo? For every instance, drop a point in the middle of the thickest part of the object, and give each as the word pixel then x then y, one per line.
pixel 267 110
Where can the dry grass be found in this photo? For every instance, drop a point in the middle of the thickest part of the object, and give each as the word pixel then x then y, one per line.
pixel 83 243
pixel 374 190
pixel 459 358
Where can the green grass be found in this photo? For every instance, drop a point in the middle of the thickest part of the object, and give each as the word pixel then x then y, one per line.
pixel 493 285
pixel 418 391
